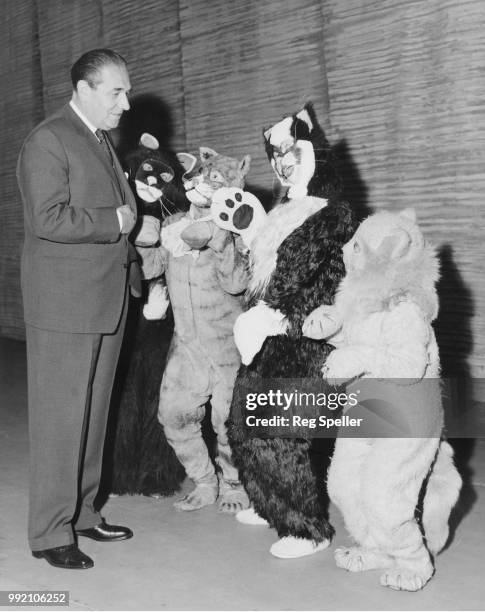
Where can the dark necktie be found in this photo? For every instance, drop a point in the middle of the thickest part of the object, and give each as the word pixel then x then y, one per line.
pixel 134 270
pixel 103 141
pixel 101 136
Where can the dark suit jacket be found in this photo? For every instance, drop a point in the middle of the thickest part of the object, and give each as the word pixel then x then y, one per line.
pixel 74 261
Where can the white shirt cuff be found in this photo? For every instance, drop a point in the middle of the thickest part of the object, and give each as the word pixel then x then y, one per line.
pixel 120 219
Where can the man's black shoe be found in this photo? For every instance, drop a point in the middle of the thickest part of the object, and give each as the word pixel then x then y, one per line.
pixel 66 557
pixel 106 533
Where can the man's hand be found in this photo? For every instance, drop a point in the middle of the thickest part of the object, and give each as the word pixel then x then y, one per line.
pixel 149 233
pixel 127 217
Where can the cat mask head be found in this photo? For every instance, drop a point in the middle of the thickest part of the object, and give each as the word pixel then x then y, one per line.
pixel 157 178
pixel 384 239
pixel 209 173
pixel 302 157
pixel 290 151
pixel 152 174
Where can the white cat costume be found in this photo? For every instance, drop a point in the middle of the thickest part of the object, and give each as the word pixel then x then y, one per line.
pixel 381 326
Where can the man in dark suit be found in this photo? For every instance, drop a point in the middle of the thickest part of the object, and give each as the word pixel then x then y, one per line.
pixel 77 265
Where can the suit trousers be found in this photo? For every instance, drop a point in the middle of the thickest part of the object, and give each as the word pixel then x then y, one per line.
pixel 70 380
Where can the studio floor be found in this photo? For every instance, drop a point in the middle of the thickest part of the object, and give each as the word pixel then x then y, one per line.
pixel 206 560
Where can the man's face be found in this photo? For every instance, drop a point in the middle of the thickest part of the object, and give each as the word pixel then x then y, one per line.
pixel 104 103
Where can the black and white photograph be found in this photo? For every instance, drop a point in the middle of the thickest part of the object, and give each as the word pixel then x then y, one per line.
pixel 242 305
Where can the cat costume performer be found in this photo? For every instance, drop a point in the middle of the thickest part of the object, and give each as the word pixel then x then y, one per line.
pixel 296 266
pixel 206 275
pixel 381 326
pixel 142 461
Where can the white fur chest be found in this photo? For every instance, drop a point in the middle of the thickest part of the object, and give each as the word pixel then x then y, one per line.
pixel 280 223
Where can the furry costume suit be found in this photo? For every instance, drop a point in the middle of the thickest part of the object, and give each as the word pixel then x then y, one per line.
pixel 381 326
pixel 205 285
pixel 142 461
pixel 296 265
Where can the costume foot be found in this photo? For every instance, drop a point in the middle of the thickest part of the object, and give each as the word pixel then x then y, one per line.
pixel 232 497
pixel 290 547
pixel 250 517
pixel 357 559
pixel 405 579
pixel 202 495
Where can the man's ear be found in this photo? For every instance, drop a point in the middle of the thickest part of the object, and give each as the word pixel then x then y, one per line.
pixel 83 88
pixel 244 164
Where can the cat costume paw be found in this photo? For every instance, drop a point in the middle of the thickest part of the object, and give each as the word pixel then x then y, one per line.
pixel 239 212
pixel 322 323
pixel 253 327
pixel 157 303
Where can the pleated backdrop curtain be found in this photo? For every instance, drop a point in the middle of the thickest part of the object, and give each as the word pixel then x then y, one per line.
pixel 398 85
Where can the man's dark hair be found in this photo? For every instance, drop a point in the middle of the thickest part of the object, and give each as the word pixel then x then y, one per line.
pixel 88 66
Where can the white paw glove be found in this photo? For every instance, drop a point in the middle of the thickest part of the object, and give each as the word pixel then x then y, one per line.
pixel 238 211
pixel 157 303
pixel 253 327
pixel 149 233
pixel 321 323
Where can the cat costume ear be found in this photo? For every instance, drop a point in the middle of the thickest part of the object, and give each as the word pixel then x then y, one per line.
pixel 187 161
pixel 396 245
pixel 207 153
pixel 408 213
pixel 244 164
pixel 304 115
pixel 149 141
